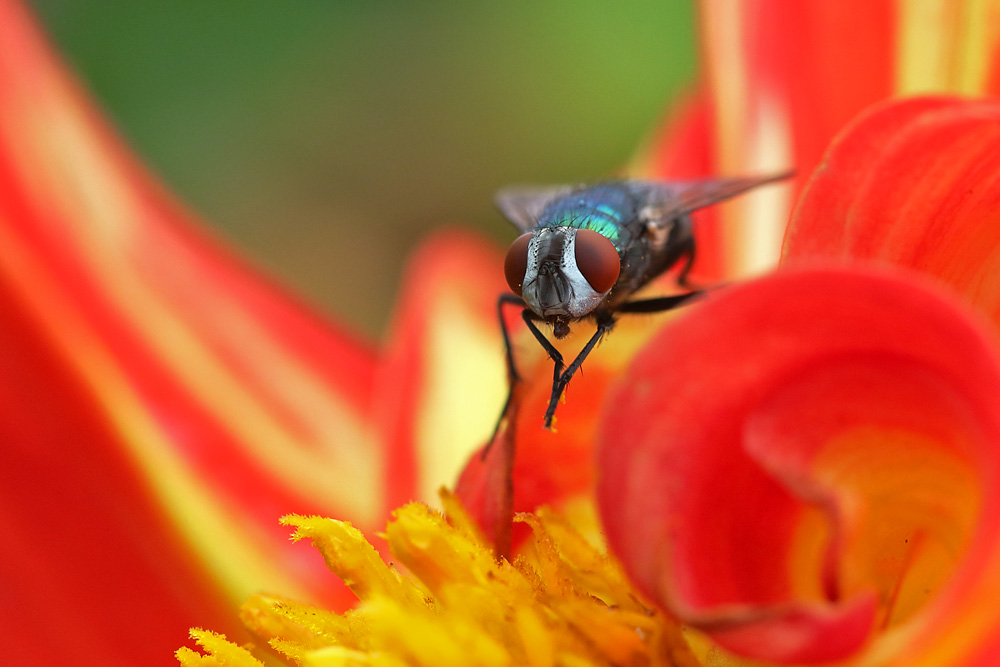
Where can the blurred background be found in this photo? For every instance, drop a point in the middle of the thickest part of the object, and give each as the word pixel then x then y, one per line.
pixel 325 139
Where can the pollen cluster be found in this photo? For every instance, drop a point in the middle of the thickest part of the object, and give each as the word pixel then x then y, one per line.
pixel 564 603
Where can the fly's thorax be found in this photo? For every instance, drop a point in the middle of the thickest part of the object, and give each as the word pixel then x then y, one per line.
pixel 554 285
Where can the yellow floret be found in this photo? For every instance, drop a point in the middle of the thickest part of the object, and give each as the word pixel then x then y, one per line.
pixel 563 605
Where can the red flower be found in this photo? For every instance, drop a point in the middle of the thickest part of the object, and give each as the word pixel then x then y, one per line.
pixel 805 465
pixel 163 404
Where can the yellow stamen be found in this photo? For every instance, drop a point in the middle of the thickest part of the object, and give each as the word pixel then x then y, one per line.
pixel 564 603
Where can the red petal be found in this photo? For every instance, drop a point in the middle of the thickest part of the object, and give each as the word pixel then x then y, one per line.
pixel 820 63
pixel 684 149
pixel 440 384
pixel 783 79
pixel 550 467
pixel 915 183
pixel 162 404
pixel 767 455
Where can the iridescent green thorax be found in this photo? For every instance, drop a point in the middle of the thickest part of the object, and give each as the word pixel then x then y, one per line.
pixel 604 209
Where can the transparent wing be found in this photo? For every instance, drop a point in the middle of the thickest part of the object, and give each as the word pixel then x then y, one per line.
pixel 668 200
pixel 523 204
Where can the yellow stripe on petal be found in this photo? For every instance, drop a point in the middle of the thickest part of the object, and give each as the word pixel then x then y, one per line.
pixel 71 230
pixel 463 393
pixel 62 148
pixel 752 131
pixel 722 24
pixel 754 225
pixel 946 45
pixel 206 523
pixel 84 192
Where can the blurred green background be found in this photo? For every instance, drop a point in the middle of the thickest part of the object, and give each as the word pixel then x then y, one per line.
pixel 325 139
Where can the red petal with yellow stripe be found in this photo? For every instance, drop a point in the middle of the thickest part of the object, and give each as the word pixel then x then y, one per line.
pixel 162 404
pixel 440 384
pixel 549 467
pixel 684 149
pixel 780 80
pixel 804 467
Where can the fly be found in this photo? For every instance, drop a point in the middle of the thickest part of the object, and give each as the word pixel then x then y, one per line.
pixel 585 250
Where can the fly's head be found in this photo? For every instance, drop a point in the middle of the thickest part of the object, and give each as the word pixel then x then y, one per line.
pixel 562 273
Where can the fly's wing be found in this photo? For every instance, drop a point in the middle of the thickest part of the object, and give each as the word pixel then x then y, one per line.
pixel 668 200
pixel 523 204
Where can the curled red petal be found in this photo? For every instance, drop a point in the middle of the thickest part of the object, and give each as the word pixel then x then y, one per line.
pixel 806 459
pixel 915 183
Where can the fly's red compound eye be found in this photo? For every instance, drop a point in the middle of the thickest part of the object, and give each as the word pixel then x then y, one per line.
pixel 597 259
pixel 515 264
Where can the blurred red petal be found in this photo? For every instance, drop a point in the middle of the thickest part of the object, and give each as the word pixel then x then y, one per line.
pixel 915 183
pixel 684 149
pixel 440 383
pixel 92 566
pixel 768 56
pixel 767 456
pixel 783 79
pixel 163 403
pixel 823 223
pixel 992 85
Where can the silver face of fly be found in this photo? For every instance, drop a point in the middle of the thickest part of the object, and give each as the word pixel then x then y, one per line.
pixel 584 251
pixel 553 285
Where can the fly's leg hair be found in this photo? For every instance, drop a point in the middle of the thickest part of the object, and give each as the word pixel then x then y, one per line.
pixel 682 277
pixel 604 324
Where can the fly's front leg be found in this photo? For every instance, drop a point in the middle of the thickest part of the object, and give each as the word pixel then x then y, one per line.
pixel 509 300
pixel 550 349
pixel 554 354
pixel 604 325
pixel 513 377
